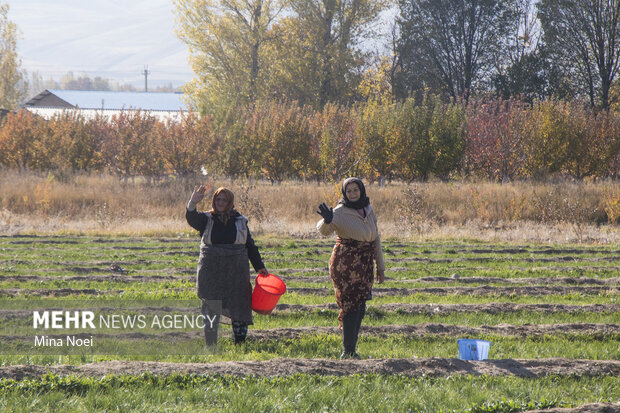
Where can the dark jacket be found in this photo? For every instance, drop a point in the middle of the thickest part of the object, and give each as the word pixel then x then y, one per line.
pixel 224 233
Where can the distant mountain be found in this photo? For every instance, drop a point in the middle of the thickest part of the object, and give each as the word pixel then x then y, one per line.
pixel 112 39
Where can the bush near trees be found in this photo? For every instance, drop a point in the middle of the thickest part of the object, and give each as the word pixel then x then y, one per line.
pixel 494 139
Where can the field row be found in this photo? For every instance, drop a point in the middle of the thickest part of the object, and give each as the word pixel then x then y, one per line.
pixel 303 280
pixel 291 366
pixel 551 313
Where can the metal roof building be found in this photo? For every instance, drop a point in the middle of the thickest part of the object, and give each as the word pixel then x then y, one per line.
pixel 89 103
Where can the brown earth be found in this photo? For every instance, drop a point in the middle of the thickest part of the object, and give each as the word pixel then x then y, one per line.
pixel 566 258
pixel 450 330
pixel 439 367
pixel 479 280
pixel 586 408
pixel 325 279
pixel 104 268
pixel 442 309
pixel 533 291
pixel 497 259
pixel 416 330
pixel 409 309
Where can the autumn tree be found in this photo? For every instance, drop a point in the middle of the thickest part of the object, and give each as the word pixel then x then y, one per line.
pixel 583 37
pixel 334 128
pixel 283 134
pixel 130 148
pixel 186 143
pixel 12 79
pixel 496 133
pixel 22 138
pixel 227 40
pixel 71 143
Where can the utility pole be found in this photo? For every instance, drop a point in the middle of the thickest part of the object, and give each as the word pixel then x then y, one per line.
pixel 146 76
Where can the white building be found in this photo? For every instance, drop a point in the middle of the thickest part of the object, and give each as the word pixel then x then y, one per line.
pixel 91 103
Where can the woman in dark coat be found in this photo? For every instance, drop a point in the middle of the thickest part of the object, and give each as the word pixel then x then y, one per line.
pixel 357 248
pixel 223 270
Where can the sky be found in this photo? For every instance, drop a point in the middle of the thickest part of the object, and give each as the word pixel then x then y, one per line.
pixel 113 39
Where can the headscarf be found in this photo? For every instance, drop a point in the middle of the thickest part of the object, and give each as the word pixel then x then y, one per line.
pixel 362 202
pixel 230 208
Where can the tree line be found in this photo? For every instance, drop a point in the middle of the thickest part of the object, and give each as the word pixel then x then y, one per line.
pixel 317 52
pixel 495 139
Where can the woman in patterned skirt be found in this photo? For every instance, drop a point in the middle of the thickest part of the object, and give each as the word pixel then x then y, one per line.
pixel 358 246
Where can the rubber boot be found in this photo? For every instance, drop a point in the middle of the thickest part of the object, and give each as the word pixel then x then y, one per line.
pixel 349 328
pixel 361 312
pixel 240 331
pixel 211 325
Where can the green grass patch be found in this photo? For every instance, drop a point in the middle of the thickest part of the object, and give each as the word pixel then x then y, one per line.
pixel 146 393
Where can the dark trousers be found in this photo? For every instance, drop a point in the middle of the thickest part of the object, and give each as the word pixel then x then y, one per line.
pixel 351 323
pixel 211 322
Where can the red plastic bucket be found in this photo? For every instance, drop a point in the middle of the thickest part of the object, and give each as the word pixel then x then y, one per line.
pixel 267 292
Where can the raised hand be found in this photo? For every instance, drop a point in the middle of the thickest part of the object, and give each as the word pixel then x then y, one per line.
pixel 198 194
pixel 326 212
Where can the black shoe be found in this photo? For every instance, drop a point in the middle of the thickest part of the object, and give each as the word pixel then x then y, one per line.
pixel 239 339
pixel 352 355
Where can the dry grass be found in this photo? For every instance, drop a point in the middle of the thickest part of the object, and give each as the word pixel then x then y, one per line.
pixel 519 212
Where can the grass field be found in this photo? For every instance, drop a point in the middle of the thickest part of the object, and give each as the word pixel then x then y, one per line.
pixel 551 312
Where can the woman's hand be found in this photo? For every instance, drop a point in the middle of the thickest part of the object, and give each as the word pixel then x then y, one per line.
pixel 326 213
pixel 380 277
pixel 198 194
pixel 263 271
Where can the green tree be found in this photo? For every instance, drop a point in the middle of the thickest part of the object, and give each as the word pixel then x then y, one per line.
pixel 583 37
pixel 413 150
pixel 12 79
pixel 376 124
pixel 227 41
pixel 319 59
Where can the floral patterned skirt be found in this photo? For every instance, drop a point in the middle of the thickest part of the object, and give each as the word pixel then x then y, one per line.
pixel 351 271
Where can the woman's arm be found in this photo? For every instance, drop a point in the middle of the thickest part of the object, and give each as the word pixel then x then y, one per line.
pixel 197 220
pixel 325 229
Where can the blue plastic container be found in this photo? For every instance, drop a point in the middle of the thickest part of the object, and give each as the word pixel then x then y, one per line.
pixel 473 349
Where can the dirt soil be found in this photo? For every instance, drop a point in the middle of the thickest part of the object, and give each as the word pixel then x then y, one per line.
pixel 586 408
pixel 442 309
pixel 451 330
pixel 615 281
pixel 440 367
pixel 417 330
pixel 535 291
